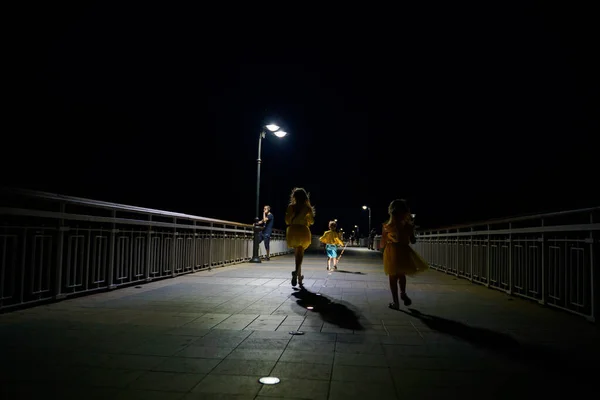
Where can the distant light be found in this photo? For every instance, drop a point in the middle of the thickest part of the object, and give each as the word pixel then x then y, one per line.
pixel 273 127
pixel 309 307
pixel 413 215
pixel 269 380
pixel 335 220
pixel 365 207
pixel 280 133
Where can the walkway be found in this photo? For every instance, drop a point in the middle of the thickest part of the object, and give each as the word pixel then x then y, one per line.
pixel 214 333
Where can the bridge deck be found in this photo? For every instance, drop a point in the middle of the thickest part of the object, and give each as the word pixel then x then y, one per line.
pixel 213 334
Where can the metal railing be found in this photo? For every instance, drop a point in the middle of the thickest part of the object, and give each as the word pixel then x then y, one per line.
pixel 549 258
pixel 54 246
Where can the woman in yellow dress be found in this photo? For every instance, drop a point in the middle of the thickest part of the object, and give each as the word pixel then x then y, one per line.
pixel 399 259
pixel 331 238
pixel 299 215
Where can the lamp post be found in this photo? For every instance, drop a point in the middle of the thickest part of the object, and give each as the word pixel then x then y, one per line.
pixel 368 208
pixel 279 133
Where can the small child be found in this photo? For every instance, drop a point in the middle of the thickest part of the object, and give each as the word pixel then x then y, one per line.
pixel 399 259
pixel 331 238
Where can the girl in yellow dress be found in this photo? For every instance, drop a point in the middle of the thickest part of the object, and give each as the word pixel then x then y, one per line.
pixel 399 259
pixel 299 215
pixel 331 238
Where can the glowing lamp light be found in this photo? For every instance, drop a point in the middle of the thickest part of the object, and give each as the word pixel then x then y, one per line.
pixel 280 134
pixel 273 127
pixel 269 380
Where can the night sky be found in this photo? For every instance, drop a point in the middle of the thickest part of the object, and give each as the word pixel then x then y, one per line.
pixel 469 112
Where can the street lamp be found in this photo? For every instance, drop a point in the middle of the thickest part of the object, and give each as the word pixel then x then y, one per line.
pixel 276 130
pixel 368 208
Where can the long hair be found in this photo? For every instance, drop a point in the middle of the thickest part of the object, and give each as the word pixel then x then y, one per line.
pixel 299 199
pixel 398 209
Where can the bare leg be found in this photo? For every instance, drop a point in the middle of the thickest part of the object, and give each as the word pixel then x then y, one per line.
pixel 299 253
pixel 328 263
pixel 335 263
pixel 403 296
pixel 394 289
pixel 402 278
pixel 299 257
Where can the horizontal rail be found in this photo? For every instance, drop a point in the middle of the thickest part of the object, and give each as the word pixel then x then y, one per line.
pixel 497 221
pixel 114 206
pixel 126 221
pixel 539 229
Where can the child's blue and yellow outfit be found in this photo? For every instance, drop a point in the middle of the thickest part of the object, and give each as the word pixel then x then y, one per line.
pixel 331 240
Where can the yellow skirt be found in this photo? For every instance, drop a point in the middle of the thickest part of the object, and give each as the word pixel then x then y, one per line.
pixel 298 236
pixel 402 259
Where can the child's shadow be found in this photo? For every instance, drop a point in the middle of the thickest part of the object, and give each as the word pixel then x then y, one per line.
pixel 330 311
pixel 349 272
pixel 491 340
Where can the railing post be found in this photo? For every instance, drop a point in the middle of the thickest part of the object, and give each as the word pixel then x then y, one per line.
pixel 456 244
pixel 447 253
pixel 224 245
pixel 471 240
pixel 488 254
pixel 23 266
pixel 149 250
pixel 174 249
pixel 194 257
pixel 210 240
pixel 543 267
pixel 593 283
pixel 510 266
pixel 59 256
pixel 111 254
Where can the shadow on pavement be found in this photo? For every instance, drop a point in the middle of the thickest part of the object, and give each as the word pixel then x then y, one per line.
pixel 491 340
pixel 553 374
pixel 349 272
pixel 330 311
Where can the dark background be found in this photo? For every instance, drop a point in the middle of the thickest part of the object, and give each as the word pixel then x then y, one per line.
pixel 470 112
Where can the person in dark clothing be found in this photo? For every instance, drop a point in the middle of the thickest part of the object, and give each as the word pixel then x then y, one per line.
pixel 372 239
pixel 265 234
